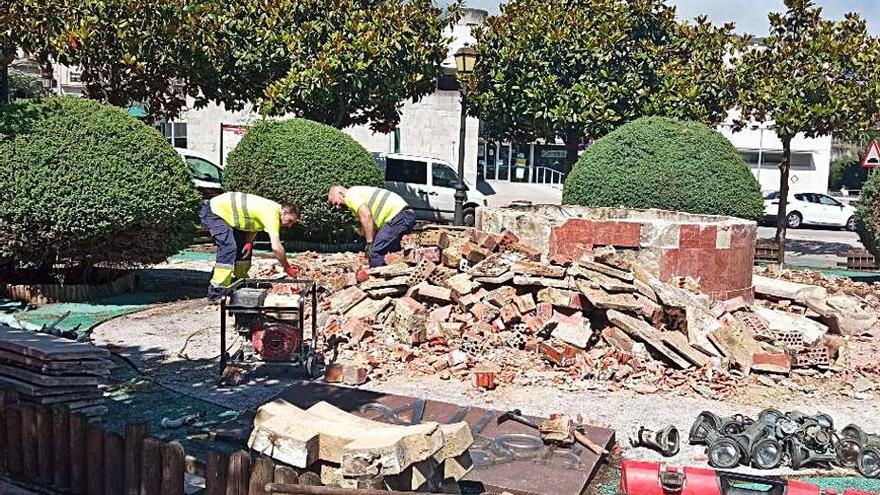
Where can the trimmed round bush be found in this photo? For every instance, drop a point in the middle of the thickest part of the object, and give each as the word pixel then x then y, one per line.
pixel 657 162
pixel 868 215
pixel 83 183
pixel 298 160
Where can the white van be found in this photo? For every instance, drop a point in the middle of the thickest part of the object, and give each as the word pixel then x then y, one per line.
pixel 428 185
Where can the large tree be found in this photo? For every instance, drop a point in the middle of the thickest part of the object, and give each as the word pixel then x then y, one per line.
pixel 810 76
pixel 581 68
pixel 31 27
pixel 340 62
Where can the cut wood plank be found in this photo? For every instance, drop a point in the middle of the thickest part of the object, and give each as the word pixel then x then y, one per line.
pixel 46 347
pixel 640 330
pixel 48 400
pixel 28 390
pixel 79 367
pixel 49 381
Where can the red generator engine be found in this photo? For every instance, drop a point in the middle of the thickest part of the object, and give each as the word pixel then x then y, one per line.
pixel 270 317
pixel 275 340
pixel 652 478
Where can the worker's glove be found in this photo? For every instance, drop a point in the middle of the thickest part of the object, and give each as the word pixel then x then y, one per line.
pixel 368 250
pixel 292 271
pixel 246 249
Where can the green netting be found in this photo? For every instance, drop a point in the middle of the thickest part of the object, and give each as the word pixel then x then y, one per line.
pixel 191 255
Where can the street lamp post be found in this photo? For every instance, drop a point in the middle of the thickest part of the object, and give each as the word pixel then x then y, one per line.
pixel 465 59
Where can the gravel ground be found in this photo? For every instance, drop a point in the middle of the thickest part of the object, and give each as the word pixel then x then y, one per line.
pixel 177 345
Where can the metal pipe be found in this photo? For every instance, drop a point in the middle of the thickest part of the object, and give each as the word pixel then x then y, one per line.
pixel 330 490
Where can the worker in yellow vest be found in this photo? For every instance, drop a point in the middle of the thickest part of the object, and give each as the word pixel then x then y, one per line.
pixel 233 219
pixel 385 218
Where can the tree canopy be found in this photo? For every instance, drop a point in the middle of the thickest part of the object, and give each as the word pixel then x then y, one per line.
pixel 810 76
pixel 581 68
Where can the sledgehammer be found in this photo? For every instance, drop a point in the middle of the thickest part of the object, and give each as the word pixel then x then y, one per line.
pixel 516 415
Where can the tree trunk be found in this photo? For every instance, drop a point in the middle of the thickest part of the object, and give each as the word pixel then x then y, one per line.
pixel 4 82
pixel 782 213
pixel 572 140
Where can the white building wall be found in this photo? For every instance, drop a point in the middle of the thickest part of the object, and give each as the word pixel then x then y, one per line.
pixel 803 178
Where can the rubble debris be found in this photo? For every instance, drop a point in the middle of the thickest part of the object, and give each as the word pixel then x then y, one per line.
pixel 600 318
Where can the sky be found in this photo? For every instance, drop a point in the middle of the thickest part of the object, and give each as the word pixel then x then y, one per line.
pixel 750 15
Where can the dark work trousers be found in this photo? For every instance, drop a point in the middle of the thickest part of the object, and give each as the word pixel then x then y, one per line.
pixel 231 261
pixel 387 240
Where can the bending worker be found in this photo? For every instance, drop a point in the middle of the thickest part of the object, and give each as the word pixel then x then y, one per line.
pixel 384 216
pixel 233 219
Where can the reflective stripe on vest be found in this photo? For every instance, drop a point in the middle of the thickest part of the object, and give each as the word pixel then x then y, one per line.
pixel 239 215
pixel 377 202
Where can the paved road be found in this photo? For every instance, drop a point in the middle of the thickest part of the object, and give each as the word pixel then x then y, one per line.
pixel 816 247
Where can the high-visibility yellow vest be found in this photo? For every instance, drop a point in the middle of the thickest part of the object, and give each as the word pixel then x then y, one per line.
pixel 248 212
pixel 382 203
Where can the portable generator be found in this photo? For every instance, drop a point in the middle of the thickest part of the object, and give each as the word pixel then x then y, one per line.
pixel 269 316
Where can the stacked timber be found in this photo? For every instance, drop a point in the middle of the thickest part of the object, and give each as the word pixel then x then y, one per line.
pixel 353 452
pixel 48 370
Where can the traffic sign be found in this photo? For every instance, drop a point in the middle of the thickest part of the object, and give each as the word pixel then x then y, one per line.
pixel 871 159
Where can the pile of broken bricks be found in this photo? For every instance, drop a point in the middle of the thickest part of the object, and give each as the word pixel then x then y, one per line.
pixel 349 451
pixel 484 307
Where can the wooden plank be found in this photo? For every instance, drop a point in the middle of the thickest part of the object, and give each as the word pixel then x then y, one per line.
pixel 216 467
pixel 78 426
pixel 135 433
pixel 61 449
pixel 30 465
pixel 45 452
pixel 83 366
pixel 91 411
pixel 28 389
pixel 238 474
pixel 114 462
pixel 172 469
pixel 8 398
pixel 47 347
pixel 13 439
pixel 151 467
pixel 285 475
pixel 47 380
pixel 49 400
pixel 263 472
pixel 94 459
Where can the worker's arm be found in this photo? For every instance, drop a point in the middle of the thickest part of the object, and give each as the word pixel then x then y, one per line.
pixel 278 250
pixel 367 224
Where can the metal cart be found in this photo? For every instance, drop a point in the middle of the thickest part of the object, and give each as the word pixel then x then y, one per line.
pixel 273 335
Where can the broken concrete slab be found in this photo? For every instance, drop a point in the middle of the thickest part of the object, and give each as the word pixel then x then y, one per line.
pixel 736 342
pixel 578 335
pixel 642 331
pixel 461 284
pixel 538 270
pixel 626 276
pixel 369 309
pixel 526 303
pixel 845 315
pixel 561 297
pixel 527 280
pixel 784 289
pixel 679 343
pixel 344 300
pixel 601 299
pixel 409 321
pixel 781 322
pixel 618 338
pixel 607 283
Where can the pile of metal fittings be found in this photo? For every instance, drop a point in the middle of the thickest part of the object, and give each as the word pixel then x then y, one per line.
pixel 792 439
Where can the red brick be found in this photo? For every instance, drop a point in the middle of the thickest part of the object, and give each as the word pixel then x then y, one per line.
pixel 489 241
pixel 561 355
pixel 484 376
pixel 394 258
pixel 771 362
pixel 434 292
pixel 544 310
pixel 440 314
pixel 357 329
pixel 508 238
pixel 535 323
pixel 333 373
pixel 429 253
pixel 473 253
pixel 510 314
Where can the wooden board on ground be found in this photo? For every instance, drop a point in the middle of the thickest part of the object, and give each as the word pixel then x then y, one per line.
pixel 47 347
pixel 47 380
pixel 52 367
pixel 29 389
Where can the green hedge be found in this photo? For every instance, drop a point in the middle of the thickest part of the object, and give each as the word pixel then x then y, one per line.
pixel 868 214
pixel 299 160
pixel 82 182
pixel 657 162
